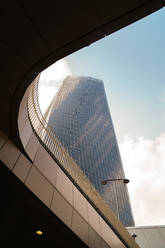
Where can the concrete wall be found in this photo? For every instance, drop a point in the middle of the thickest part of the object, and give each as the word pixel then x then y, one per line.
pixel 49 183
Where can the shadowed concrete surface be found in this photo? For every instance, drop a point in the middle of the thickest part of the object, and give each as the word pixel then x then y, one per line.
pixel 22 214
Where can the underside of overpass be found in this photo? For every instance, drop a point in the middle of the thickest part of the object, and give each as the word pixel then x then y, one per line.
pixel 22 214
pixel 35 34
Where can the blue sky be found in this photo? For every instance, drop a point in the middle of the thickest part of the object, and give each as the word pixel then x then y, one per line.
pixel 131 62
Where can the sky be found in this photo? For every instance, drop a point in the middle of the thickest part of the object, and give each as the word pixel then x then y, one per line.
pixel 131 63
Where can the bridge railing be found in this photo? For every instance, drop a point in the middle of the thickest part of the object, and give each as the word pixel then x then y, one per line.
pixel 49 141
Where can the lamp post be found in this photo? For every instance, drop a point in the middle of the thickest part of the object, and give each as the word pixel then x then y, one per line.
pixel 124 180
pixel 104 182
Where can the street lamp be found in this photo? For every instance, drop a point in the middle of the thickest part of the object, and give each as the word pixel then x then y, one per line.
pixel 124 180
pixel 104 182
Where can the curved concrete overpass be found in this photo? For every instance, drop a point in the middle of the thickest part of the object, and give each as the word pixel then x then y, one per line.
pixel 52 194
pixel 35 34
pixel 60 184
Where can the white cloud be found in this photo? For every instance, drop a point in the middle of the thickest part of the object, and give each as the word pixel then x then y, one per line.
pixel 144 165
pixel 50 82
pixel 57 71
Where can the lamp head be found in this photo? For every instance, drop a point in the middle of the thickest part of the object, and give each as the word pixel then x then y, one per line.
pixel 104 182
pixel 125 181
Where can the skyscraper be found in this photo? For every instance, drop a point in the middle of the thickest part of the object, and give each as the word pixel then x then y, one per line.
pixel 81 120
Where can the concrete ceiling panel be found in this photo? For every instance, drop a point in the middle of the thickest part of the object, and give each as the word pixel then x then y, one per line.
pixel 133 15
pixel 19 33
pixel 12 71
pixel 63 21
pixel 109 10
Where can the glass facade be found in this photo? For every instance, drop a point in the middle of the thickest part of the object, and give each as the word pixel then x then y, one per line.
pixel 81 120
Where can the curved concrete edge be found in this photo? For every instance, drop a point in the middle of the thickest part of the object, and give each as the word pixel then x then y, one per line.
pixel 49 183
pixel 53 187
